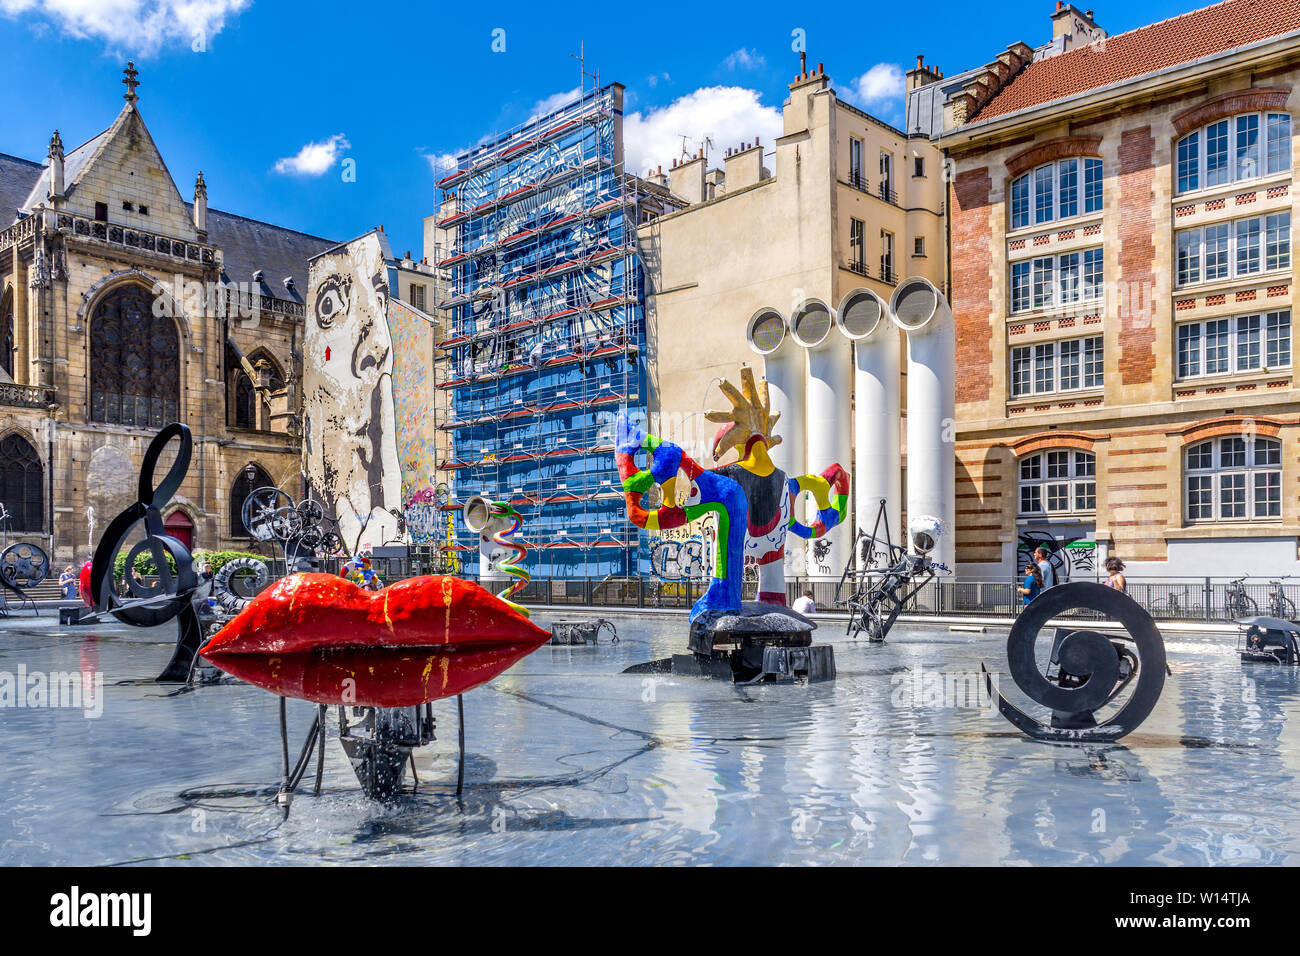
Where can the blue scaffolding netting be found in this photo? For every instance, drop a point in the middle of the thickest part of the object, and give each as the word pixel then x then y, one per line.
pixel 544 340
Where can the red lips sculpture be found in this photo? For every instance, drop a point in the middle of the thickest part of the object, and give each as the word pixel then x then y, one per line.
pixel 321 638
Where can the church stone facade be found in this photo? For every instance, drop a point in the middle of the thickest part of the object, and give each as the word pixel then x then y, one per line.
pixel 123 306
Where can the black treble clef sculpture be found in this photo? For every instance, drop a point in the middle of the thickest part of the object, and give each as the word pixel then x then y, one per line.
pixel 172 596
pixel 1086 669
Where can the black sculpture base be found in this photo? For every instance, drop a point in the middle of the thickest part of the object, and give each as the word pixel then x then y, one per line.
pixel 379 745
pixel 760 643
pixel 571 633
pixel 188 641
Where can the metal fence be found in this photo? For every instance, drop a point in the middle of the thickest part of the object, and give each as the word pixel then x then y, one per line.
pixel 1205 599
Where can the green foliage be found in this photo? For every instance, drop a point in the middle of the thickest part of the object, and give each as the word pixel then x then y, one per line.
pixel 144 563
pixel 218 559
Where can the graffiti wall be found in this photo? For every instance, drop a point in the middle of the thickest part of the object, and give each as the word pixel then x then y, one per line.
pixel 685 553
pixel 349 428
pixel 413 400
pixel 1071 551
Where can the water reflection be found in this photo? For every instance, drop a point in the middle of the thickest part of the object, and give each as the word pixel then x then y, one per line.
pixel 571 761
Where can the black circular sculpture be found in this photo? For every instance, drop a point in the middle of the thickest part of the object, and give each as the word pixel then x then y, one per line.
pixel 238 582
pixel 1086 669
pixel 23 566
pixel 147 605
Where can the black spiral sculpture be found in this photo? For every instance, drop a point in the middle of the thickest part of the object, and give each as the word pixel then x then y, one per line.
pixel 1087 670
pixel 172 597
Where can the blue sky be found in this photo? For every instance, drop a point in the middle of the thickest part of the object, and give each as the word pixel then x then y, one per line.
pixel 269 98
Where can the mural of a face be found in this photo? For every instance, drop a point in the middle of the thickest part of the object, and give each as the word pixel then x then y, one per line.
pixel 350 451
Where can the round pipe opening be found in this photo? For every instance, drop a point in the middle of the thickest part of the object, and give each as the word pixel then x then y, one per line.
pixel 477 514
pixel 860 313
pixel 914 303
pixel 811 324
pixel 766 331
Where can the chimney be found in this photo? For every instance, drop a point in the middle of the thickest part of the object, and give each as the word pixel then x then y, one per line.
pixel 56 166
pixel 744 167
pixel 921 75
pixel 1072 27
pixel 686 180
pixel 201 205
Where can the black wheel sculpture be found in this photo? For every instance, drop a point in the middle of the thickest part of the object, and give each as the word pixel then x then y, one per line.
pixel 262 512
pixel 23 566
pixel 271 515
pixel 238 582
pixel 1086 669
pixel 145 605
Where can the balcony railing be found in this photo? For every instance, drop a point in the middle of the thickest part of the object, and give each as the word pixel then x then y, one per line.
pixel 884 273
pixel 25 396
pixel 888 194
pixel 857 181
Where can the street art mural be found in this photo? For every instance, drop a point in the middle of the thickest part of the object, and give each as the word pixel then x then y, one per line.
pixel 414 421
pixel 686 553
pixel 1070 555
pixel 752 501
pixel 350 437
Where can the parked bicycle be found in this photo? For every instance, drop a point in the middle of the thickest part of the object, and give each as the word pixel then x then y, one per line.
pixel 1279 605
pixel 1237 603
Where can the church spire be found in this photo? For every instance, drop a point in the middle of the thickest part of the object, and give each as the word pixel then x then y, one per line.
pixel 130 81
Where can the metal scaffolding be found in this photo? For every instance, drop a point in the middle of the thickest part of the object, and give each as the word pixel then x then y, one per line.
pixel 545 335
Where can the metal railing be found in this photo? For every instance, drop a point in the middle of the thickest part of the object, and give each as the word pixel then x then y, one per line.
pixel 1193 600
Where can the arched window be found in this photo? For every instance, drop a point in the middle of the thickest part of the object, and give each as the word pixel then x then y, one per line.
pixel 1234 478
pixel 134 361
pixel 245 401
pixel 22 482
pixel 244 486
pixel 1058 482
pixel 7 334
pixel 1060 190
pixel 1233 150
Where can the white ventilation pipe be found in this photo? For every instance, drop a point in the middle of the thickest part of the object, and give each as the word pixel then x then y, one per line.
pixel 921 310
pixel 485 520
pixel 783 367
pixel 863 317
pixel 829 409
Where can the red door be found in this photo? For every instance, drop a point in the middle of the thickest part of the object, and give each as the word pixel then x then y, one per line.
pixel 179 526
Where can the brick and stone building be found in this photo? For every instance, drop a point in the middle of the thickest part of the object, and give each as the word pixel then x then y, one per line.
pixel 1123 283
pixel 124 306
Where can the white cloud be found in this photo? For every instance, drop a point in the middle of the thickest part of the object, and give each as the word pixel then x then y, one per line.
pixel 882 85
pixel 139 27
pixel 441 163
pixel 553 102
pixel 744 59
pixel 726 114
pixel 654 78
pixel 314 158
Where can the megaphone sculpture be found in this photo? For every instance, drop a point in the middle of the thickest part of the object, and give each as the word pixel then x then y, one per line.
pixel 495 522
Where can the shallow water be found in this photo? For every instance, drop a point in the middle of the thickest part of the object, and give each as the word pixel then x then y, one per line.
pixel 571 762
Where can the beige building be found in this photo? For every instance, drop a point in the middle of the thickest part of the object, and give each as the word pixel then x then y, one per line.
pixel 777 239
pixel 123 306
pixel 1123 285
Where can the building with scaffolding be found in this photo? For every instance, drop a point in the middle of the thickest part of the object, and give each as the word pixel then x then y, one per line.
pixel 543 332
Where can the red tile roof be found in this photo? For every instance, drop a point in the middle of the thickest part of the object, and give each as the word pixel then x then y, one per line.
pixel 1145 50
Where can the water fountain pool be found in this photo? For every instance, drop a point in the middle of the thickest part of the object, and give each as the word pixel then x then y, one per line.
pixel 572 762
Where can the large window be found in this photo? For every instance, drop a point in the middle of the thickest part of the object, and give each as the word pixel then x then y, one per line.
pixel 1049 281
pixel 1231 249
pixel 1057 367
pixel 1058 190
pixel 1234 150
pixel 1235 478
pixel 22 491
pixel 134 361
pixel 1243 343
pixel 7 334
pixel 1058 482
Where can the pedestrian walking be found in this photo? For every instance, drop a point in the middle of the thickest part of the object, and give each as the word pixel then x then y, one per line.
pixel 1033 584
pixel 1045 569
pixel 1115 575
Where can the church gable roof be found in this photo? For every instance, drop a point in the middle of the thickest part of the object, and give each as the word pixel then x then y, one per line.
pixel 17 177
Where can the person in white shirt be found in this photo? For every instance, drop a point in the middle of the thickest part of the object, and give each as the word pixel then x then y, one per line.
pixel 805 604
pixel 1045 566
